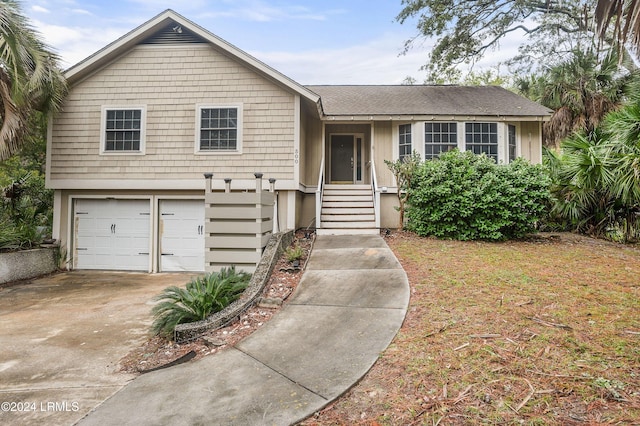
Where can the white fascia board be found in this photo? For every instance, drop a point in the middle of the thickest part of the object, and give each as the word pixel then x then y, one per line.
pixel 361 119
pixel 160 185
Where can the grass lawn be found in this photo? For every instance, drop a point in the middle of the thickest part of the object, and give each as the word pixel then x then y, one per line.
pixel 538 332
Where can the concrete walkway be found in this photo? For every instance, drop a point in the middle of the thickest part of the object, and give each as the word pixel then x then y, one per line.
pixel 348 307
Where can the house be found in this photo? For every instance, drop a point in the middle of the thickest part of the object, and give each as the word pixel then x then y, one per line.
pixel 148 115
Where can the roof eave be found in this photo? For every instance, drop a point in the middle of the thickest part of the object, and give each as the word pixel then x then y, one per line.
pixel 432 117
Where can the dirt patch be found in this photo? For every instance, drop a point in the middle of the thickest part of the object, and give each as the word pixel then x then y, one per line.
pixel 157 351
pixel 544 331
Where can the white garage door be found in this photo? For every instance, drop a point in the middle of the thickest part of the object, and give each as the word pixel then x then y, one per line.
pixel 182 235
pixel 112 234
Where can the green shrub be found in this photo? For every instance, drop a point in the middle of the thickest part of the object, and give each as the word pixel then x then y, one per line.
pixel 294 253
pixel 202 297
pixel 25 212
pixel 464 196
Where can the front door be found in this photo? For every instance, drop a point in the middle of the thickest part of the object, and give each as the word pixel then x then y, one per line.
pixel 342 160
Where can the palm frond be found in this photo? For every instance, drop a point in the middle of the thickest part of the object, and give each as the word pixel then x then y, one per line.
pixel 201 297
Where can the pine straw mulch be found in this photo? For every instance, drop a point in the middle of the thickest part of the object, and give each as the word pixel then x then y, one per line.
pixel 158 352
pixel 537 332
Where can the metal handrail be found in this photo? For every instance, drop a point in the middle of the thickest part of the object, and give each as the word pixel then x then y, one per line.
pixel 376 193
pixel 319 191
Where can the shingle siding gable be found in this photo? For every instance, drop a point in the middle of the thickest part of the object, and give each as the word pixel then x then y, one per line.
pixel 170 82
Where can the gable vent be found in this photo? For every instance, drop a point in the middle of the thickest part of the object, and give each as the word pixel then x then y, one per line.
pixel 174 33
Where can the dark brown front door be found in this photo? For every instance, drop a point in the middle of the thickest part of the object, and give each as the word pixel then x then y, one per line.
pixel 342 158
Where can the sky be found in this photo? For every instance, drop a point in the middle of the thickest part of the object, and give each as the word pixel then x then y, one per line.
pixel 310 41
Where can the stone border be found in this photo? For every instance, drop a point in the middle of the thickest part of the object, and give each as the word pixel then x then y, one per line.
pixel 26 264
pixel 275 247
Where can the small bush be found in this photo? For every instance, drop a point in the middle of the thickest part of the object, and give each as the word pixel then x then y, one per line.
pixel 202 297
pixel 464 196
pixel 294 253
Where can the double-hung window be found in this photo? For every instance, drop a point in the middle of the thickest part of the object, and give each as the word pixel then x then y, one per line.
pixel 439 138
pixel 404 140
pixel 123 130
pixel 482 138
pixel 219 129
pixel 512 142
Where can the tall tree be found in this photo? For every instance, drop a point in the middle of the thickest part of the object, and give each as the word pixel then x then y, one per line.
pixel 581 91
pixel 30 78
pixel 596 177
pixel 466 30
pixel 625 14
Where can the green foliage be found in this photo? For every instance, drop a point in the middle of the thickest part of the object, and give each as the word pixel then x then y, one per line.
pixel 25 204
pixel 202 296
pixel 404 170
pixel 31 79
pixel 581 90
pixel 294 253
pixel 596 178
pixel 463 32
pixel 464 196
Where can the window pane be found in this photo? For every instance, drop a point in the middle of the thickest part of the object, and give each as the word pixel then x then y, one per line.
pixel 482 138
pixel 123 130
pixel 512 142
pixel 404 140
pixel 438 138
pixel 218 129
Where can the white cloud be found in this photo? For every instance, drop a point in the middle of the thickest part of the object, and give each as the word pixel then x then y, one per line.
pixel 261 11
pixel 40 9
pixel 81 12
pixel 74 44
pixel 376 62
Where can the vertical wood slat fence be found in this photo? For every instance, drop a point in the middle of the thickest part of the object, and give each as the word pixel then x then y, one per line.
pixel 237 225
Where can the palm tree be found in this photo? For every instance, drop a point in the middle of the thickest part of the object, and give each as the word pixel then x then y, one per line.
pixel 626 17
pixel 30 79
pixel 581 91
pixel 596 177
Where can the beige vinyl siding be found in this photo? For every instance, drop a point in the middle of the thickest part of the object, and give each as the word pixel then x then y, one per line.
pixel 170 82
pixel 311 151
pixel 531 139
pixel 383 150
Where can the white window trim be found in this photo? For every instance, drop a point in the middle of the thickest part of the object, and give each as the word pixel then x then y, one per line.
pixel 424 134
pixel 396 137
pixel 417 137
pixel 501 130
pixel 239 134
pixel 518 140
pixel 103 129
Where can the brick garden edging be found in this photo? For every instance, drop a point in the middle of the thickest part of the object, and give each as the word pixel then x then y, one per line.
pixel 25 264
pixel 275 247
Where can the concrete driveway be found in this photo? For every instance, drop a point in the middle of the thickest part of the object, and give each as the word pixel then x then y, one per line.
pixel 61 338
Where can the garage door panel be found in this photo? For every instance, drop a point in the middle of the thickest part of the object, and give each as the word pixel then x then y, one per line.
pixel 182 235
pixel 112 234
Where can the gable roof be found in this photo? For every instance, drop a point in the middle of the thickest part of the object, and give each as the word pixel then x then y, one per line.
pixel 156 30
pixel 408 100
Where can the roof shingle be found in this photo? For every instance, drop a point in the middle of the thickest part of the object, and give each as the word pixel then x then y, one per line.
pixel 425 100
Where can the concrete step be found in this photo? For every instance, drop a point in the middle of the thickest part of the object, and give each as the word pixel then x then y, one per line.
pixel 346 186
pixel 348 218
pixel 335 231
pixel 348 210
pixel 349 225
pixel 347 192
pixel 347 198
pixel 347 204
